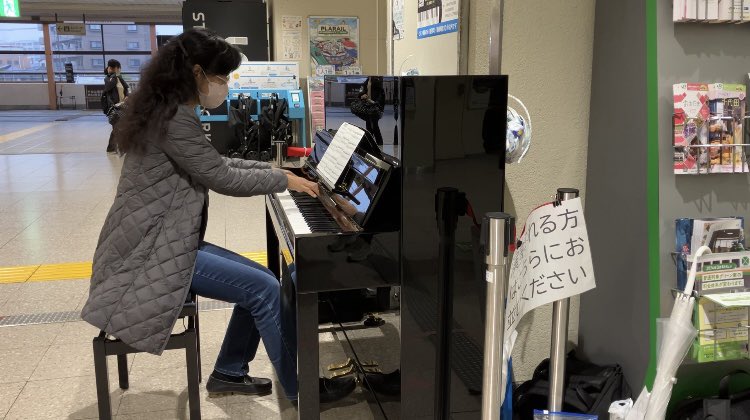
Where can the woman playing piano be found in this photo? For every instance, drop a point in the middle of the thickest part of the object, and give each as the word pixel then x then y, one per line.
pixel 151 255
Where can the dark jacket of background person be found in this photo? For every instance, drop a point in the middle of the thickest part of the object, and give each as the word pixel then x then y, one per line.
pixel 144 259
pixel 110 89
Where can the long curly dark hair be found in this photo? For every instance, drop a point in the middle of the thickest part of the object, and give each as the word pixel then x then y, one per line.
pixel 168 81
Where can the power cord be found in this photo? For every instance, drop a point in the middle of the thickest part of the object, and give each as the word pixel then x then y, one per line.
pixel 356 358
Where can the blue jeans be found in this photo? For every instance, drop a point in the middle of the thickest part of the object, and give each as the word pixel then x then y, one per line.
pixel 223 275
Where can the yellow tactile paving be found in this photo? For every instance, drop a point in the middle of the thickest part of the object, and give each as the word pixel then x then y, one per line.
pixel 25 132
pixel 260 257
pixel 79 270
pixel 47 272
pixel 17 274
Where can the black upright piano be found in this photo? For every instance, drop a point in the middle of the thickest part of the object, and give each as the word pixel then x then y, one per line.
pixel 413 204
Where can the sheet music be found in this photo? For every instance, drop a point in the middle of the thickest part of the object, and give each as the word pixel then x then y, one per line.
pixel 339 153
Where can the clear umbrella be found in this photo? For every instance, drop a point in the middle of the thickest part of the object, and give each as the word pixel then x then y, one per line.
pixel 678 334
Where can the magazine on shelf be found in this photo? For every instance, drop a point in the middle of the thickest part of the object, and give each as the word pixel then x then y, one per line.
pixel 727 103
pixel 691 114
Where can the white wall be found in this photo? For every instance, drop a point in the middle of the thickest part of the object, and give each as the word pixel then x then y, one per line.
pixel 72 89
pixel 547 52
pixel 373 22
pixel 36 96
pixel 24 96
pixel 436 55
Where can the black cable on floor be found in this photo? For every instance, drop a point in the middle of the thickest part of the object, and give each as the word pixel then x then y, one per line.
pixel 356 358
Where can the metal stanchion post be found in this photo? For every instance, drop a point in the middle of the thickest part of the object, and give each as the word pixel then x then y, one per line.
pixel 497 230
pixel 279 152
pixel 560 313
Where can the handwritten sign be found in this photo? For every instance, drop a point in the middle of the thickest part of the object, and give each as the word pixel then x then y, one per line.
pixel 552 263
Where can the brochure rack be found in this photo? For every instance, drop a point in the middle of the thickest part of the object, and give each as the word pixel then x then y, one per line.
pixel 633 195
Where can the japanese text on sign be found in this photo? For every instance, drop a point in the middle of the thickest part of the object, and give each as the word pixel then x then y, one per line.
pixel 552 263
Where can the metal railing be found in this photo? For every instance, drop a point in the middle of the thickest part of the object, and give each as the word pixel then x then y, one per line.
pixel 41 77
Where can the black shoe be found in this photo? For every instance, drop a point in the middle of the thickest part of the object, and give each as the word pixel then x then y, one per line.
pixel 335 389
pixel 384 383
pixel 249 386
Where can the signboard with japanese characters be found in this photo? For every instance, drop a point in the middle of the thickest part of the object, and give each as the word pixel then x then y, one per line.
pixel 68 28
pixel 552 263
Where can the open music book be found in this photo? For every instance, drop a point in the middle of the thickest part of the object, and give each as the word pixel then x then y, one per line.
pixel 339 153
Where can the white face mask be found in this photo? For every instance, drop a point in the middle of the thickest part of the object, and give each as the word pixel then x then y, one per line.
pixel 217 94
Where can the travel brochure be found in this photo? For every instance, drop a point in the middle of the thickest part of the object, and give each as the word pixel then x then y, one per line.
pixel 722 282
pixel 722 332
pixel 708 120
pixel 711 11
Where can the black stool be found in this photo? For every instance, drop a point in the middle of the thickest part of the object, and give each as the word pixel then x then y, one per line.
pixel 188 340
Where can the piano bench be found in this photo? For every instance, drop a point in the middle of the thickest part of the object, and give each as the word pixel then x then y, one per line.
pixel 188 340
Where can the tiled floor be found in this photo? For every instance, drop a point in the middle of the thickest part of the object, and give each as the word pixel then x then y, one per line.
pixel 56 186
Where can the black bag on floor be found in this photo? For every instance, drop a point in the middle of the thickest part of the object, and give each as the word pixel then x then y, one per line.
pixel 590 389
pixel 724 407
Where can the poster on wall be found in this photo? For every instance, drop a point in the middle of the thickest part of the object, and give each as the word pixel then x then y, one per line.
pixel 398 19
pixel 436 17
pixel 334 41
pixel 291 37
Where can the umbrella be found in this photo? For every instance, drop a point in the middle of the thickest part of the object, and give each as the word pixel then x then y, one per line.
pixel 678 334
pixel 638 411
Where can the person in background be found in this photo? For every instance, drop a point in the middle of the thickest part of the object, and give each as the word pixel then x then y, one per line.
pixel 151 252
pixel 370 106
pixel 116 89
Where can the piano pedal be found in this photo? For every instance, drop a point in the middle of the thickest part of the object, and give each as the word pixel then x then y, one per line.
pixel 371 370
pixel 351 362
pixel 336 366
pixel 351 370
pixel 373 321
pixel 343 372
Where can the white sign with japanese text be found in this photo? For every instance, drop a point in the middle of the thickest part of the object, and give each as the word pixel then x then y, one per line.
pixel 552 263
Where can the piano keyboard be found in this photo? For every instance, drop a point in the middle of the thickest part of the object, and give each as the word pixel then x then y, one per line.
pixel 306 214
pixel 429 12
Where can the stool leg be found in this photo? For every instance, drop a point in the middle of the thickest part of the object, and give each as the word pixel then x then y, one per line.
pixel 122 371
pixel 102 379
pixel 191 356
pixel 198 344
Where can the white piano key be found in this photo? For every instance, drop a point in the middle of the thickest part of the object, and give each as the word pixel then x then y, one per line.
pixel 293 213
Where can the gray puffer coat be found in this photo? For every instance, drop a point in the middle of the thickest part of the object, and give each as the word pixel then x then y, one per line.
pixel 144 260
